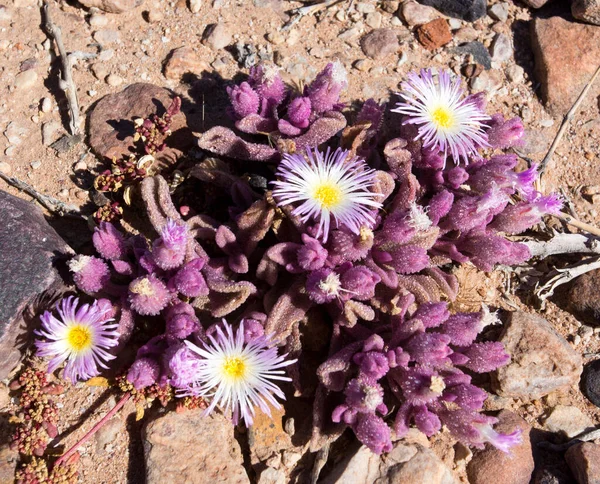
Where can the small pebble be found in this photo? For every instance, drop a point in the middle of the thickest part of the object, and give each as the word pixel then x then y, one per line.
pixel 35 164
pixel 454 23
pixel 499 11
pixel 362 65
pixel 99 70
pixel 92 93
pixel 4 44
pixel 546 123
pixel 364 7
pixel 341 15
pixel 114 80
pixel 104 37
pixel 97 20
pixel 5 15
pixel 515 73
pixel 5 167
pixel 26 80
pixel 154 15
pixel 195 6
pixel 63 193
pixel 106 54
pixel 374 19
pixel 276 38
pixel 80 166
pixel 9 151
pixel 46 105
pixel 217 36
pixel 81 195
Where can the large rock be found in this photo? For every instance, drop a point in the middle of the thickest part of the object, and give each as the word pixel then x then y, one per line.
pixel 584 461
pixel 586 10
pixel 30 253
pixel 590 382
pixel 583 298
pixel 405 464
pixel 188 448
pixel 111 6
pixel 468 10
pixel 541 359
pixel 111 128
pixel 568 420
pixel 566 56
pixel 515 468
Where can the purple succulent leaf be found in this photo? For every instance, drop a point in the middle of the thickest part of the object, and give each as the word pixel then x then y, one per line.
pixel 485 357
pixel 256 124
pixel 222 141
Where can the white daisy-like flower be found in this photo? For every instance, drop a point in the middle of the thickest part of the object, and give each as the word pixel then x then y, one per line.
pixel 447 121
pixel 331 188
pixel 238 375
pixel 80 336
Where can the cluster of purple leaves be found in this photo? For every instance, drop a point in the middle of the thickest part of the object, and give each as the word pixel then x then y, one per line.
pixel 394 343
pixel 276 116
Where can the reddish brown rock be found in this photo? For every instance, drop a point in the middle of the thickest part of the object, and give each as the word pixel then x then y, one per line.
pixel 586 10
pixel 584 461
pixel 535 3
pixel 186 447
pixel 30 253
pixel 583 297
pixel 489 464
pixel 183 61
pixel 566 56
pixel 541 359
pixel 434 34
pixel 379 43
pixel 112 6
pixel 267 437
pixel 111 129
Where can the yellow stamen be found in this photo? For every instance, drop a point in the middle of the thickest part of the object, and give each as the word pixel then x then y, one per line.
pixel 442 117
pixel 79 338
pixel 328 194
pixel 234 367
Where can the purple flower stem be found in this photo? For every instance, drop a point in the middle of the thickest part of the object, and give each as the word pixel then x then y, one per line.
pixel 93 430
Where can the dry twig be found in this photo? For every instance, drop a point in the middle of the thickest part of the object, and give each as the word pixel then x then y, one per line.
pixel 307 10
pixel 66 82
pixel 591 229
pixel 562 276
pixel 50 203
pixel 565 123
pixel 563 244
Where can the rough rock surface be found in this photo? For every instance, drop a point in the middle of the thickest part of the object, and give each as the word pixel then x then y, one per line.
pixel 541 359
pixel 379 43
pixel 591 382
pixel 583 297
pixel 112 6
pixel 515 468
pixel 184 60
pixel 405 464
pixel 586 10
pixel 434 34
pixel 567 419
pixel 186 447
pixel 468 10
pixel 416 14
pixel 566 56
pixel 267 437
pixel 584 461
pixel 30 252
pixel 111 129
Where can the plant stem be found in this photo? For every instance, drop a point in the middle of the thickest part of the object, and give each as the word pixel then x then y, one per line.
pixel 94 429
pixel 591 229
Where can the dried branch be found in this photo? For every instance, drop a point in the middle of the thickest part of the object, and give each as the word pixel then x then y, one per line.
pixel 307 10
pixel 565 123
pixel 50 203
pixel 563 244
pixel 93 430
pixel 562 276
pixel 66 83
pixel 565 217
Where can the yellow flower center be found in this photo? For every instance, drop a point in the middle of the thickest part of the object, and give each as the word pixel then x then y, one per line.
pixel 234 367
pixel 79 338
pixel 442 117
pixel 328 194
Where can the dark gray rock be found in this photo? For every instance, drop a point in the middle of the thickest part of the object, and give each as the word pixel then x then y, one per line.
pixel 30 251
pixel 478 51
pixel 590 382
pixel 469 10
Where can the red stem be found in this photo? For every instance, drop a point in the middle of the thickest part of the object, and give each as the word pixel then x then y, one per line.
pixel 93 430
